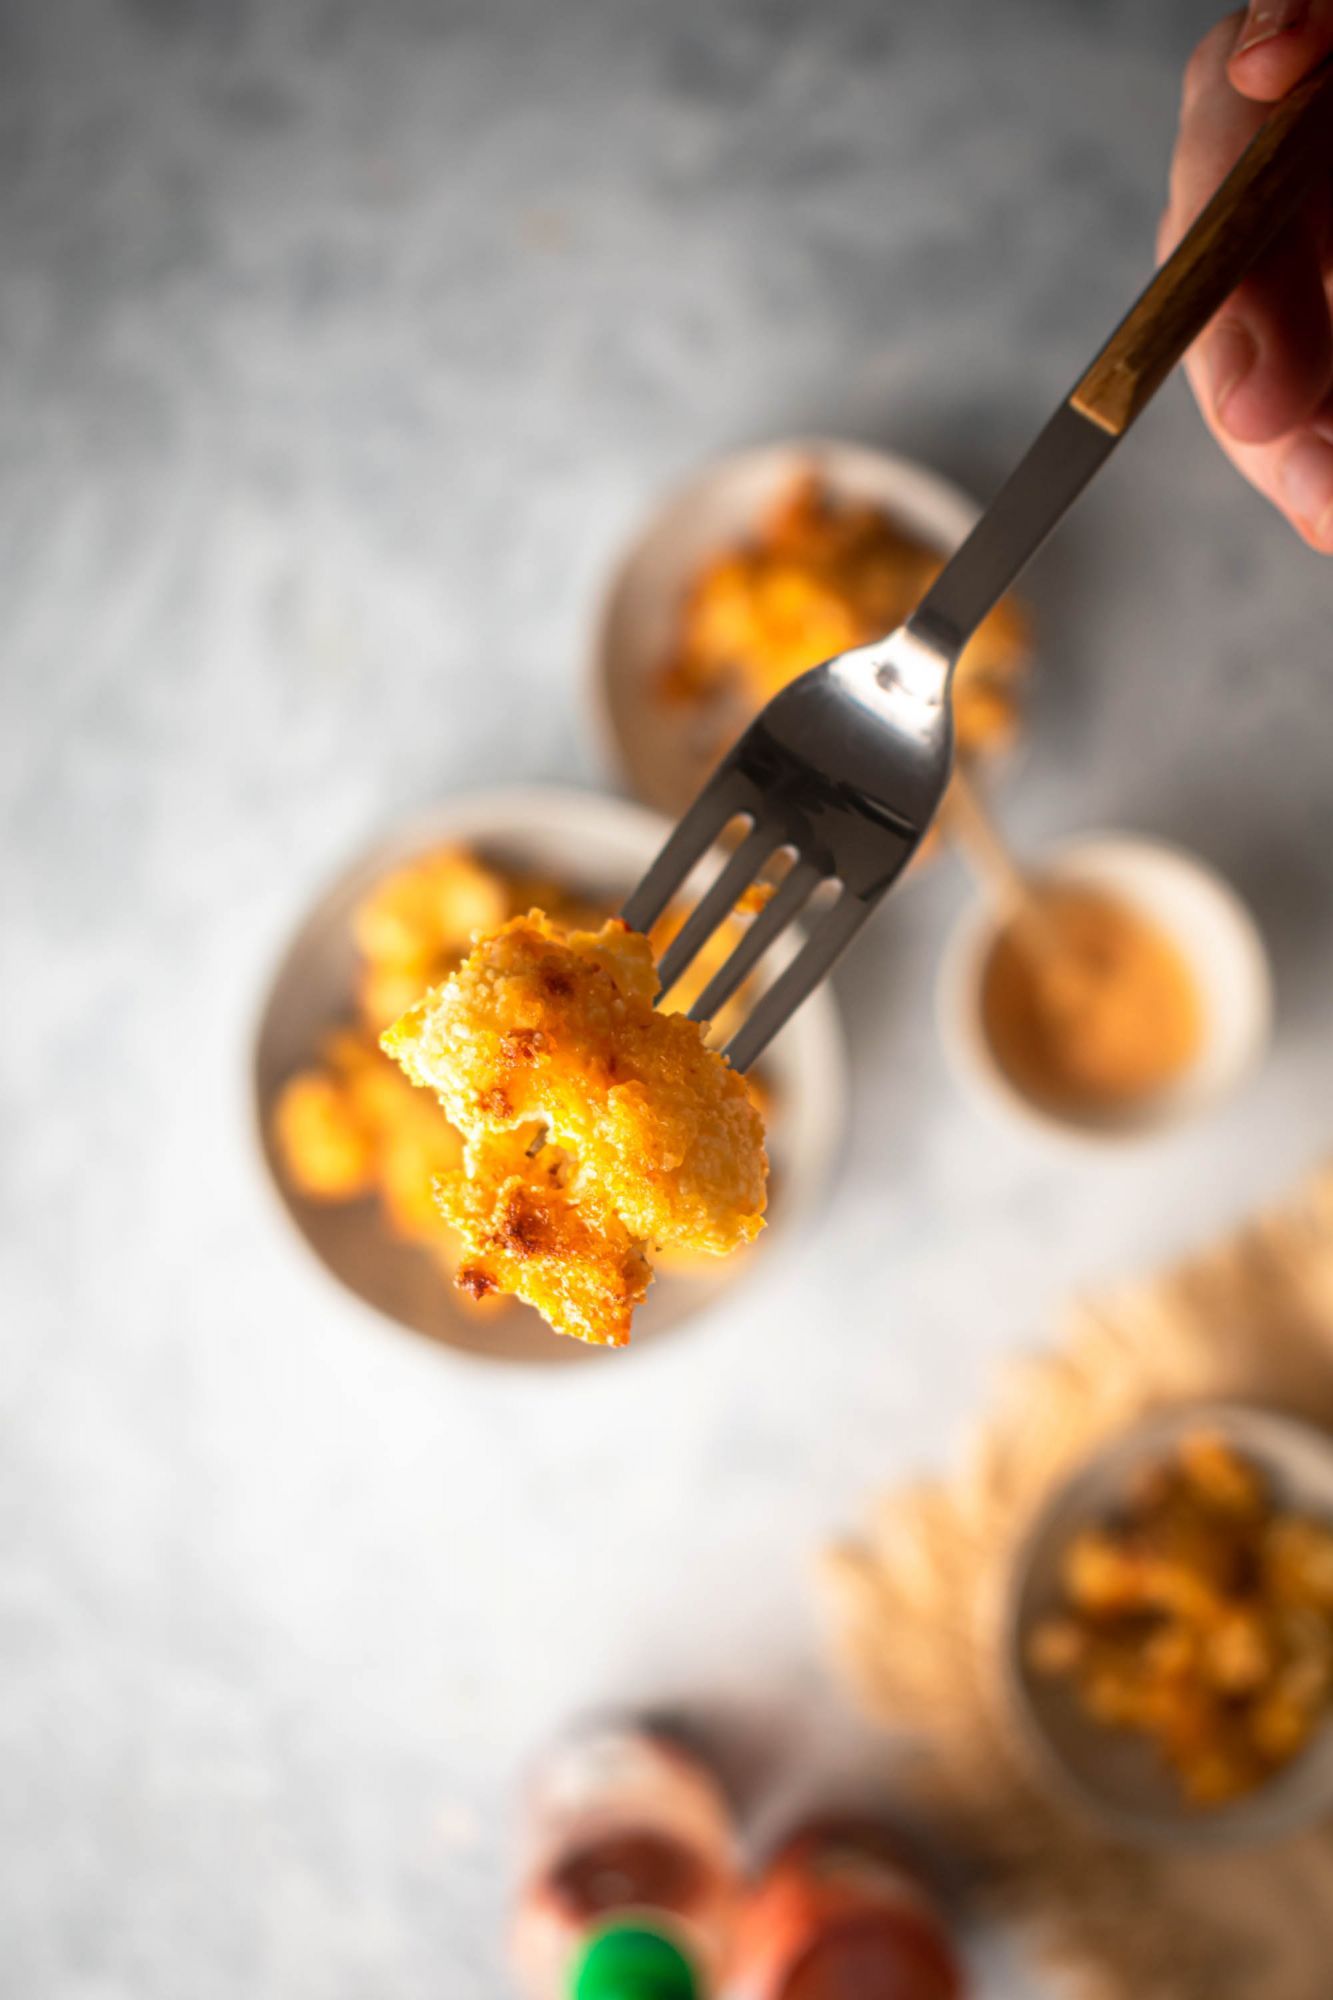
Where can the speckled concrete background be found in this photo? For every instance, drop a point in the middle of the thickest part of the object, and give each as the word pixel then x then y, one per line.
pixel 340 345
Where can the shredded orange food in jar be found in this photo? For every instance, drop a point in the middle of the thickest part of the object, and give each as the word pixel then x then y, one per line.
pixel 659 1140
pixel 1094 1011
pixel 821 574
pixel 1200 1618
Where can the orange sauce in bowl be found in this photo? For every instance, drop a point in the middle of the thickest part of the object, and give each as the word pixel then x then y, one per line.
pixel 1089 1007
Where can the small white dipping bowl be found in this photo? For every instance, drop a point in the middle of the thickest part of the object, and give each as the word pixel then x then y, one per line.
pixel 1211 928
pixel 599 846
pixel 660 757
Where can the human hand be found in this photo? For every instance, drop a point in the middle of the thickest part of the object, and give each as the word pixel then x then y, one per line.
pixel 1262 373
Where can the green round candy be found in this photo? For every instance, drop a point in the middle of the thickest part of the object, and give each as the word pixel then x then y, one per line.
pixel 627 1962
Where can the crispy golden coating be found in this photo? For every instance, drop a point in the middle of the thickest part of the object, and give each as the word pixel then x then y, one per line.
pixel 539 1028
pixel 574 1260
pixel 1202 1618
pixel 823 574
pixel 354 1125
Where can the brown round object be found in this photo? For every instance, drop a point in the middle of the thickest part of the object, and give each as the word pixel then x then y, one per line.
pixel 629 1869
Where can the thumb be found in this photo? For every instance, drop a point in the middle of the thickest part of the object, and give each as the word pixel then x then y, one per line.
pixel 1280 41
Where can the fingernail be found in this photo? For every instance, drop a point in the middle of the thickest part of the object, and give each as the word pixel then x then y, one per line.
pixel 1269 18
pixel 1307 482
pixel 1229 355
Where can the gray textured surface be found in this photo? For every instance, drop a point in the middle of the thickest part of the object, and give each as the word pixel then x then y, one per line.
pixel 339 347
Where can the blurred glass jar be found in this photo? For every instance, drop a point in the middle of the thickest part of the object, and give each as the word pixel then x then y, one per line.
pixel 840 1913
pixel 630 1883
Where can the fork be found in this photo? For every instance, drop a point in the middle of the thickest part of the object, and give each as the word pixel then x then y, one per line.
pixel 845 768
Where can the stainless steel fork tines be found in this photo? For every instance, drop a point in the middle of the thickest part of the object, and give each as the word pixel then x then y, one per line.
pixel 840 774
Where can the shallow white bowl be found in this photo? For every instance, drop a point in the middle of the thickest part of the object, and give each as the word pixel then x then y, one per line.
pixel 662 759
pixel 600 845
pixel 1211 927
pixel 1107 1775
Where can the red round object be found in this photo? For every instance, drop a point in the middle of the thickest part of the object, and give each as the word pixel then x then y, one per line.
pixel 840 1914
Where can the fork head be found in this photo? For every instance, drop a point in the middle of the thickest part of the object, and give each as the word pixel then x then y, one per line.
pixel 843 771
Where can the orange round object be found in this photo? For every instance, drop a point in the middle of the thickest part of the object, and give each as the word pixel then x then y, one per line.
pixel 840 1914
pixel 1096 1010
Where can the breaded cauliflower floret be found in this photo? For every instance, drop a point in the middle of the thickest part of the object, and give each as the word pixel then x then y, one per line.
pixel 326 1147
pixel 663 1142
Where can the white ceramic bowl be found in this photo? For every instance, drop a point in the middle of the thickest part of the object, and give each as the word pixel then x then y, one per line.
pixel 663 760
pixel 599 845
pixel 1107 1775
pixel 1211 927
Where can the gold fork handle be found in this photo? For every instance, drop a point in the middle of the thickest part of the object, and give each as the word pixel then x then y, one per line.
pixel 1280 163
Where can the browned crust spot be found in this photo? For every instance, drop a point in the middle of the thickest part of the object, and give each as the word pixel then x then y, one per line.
pixel 524 1044
pixel 478 1284
pixel 521 1228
